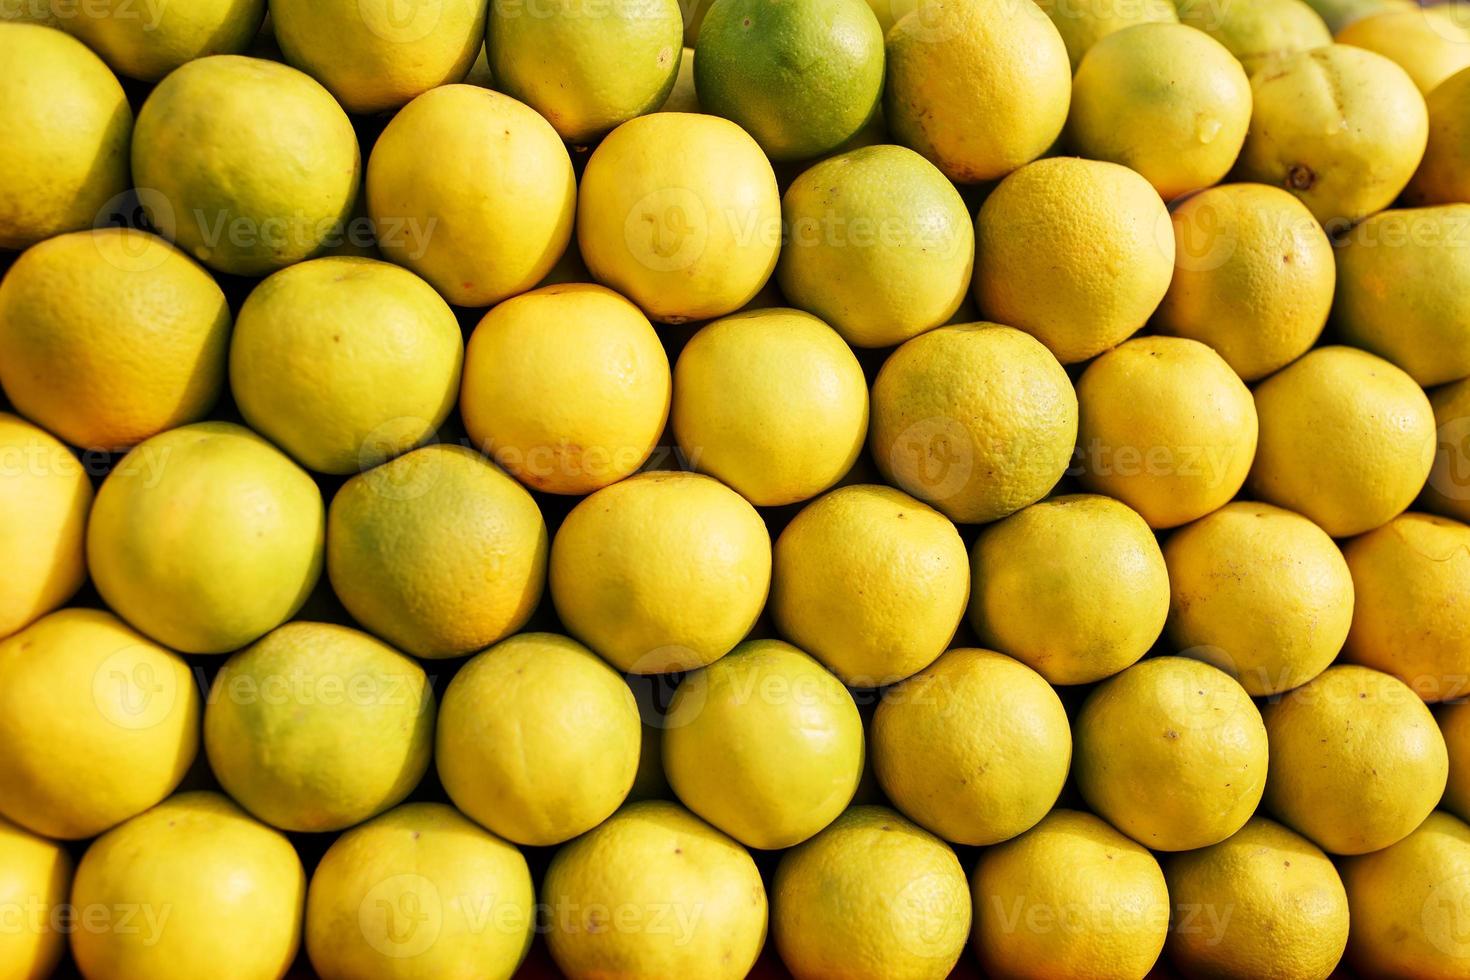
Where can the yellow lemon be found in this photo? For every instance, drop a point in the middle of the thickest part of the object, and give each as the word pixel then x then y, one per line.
pixel 378 54
pixel 1070 898
pixel 493 214
pixel 1082 23
pixel 1265 902
pixel 771 402
pixel 419 892
pixel 345 362
pixel 1448 489
pixel 45 497
pixel 207 890
pixel 1347 439
pixel 62 167
pixel 1172 752
pixel 975 747
pixel 977 419
pixel 878 243
pixel 1454 725
pixel 980 87
pixel 654 891
pixel 206 537
pixel 318 727
pixel 99 723
pixel 1074 587
pixel 1253 277
pixel 1110 251
pixel 765 744
pixel 1261 593
pixel 1165 100
pixel 1340 127
pixel 689 235
pixel 586 68
pixel 1356 760
pixel 567 387
pixel 871 582
pixel 1443 176
pixel 1429 43
pixel 148 40
pixel 872 896
pixel 1166 427
pixel 439 551
pixel 538 739
pixel 1258 32
pixel 33 888
pixel 246 164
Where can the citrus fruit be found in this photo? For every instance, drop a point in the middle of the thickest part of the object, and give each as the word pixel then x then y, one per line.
pixel 1443 176
pixel 1258 32
pixel 1454 725
pixel 1448 489
pixel 1429 43
pixel 36 882
pixel 148 40
pixel 1082 23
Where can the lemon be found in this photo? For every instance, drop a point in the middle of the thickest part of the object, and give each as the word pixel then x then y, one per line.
pixel 1448 489
pixel 538 739
pixel 1110 251
pixel 871 582
pixel 1167 428
pixel 1443 176
pixel 1253 277
pixel 878 244
pixel 654 891
pixel 1402 278
pixel 1082 23
pixel 1265 902
pixel 682 96
pixel 1165 100
pixel 35 883
pixel 1356 760
pixel 586 67
pixel 206 537
pixel 1261 593
pixel 1071 897
pixel 1172 752
pixel 246 164
pixel 765 744
pixel 975 747
pixel 45 497
pixel 1454 725
pixel 771 402
pixel 378 54
pixel 99 723
pixel 1347 440
pixel 1340 127
pixel 439 551
pixel 345 362
pixel 802 78
pixel 206 891
pixel 148 40
pixel 1406 902
pixel 662 572
pixel 1258 32
pixel 1430 43
pixel 62 168
pixel 980 87
pixel 567 387
pixel 977 419
pixel 493 214
pixel 872 896
pixel 419 892
pixel 687 236
pixel 1074 587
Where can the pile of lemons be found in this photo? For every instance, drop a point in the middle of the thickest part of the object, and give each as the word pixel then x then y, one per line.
pixel 861 490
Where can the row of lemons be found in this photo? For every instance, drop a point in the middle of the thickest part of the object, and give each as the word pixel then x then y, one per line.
pixel 1154 622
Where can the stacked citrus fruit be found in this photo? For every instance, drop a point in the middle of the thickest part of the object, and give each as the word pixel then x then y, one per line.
pixel 633 488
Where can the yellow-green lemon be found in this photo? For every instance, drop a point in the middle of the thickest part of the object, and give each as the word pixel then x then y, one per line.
pixel 1172 752
pixel 1443 176
pixel 765 744
pixel 1082 23
pixel 654 891
pixel 1347 440
pixel 99 723
pixel 1448 489
pixel 1357 761
pixel 148 40
pixel 567 387
pixel 771 402
pixel 871 582
pixel 1074 587
pixel 35 883
pixel 1430 43
pixel 878 243
pixel 1258 32
pixel 872 896
pixel 538 739
pixel 438 551
pixel 1454 725
pixel 206 537
pixel 493 214
pixel 1110 251
pixel 689 235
